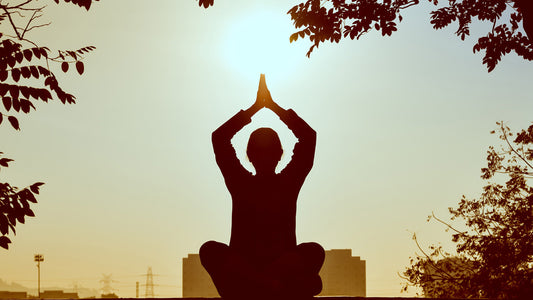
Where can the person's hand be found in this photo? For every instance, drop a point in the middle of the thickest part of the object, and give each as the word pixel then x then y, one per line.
pixel 268 102
pixel 263 94
pixel 259 102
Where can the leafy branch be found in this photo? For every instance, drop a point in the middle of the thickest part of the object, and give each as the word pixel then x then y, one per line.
pixel 14 205
pixel 16 62
pixel 23 60
pixel 496 248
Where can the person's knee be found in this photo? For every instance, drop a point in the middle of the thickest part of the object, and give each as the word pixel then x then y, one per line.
pixel 313 254
pixel 210 252
pixel 312 251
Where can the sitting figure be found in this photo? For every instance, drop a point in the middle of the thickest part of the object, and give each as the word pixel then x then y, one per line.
pixel 263 259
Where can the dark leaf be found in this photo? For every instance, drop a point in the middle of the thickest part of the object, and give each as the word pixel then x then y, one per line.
pixel 4 242
pixel 64 66
pixel 4 229
pixel 43 52
pixel 14 91
pixel 15 73
pixel 25 91
pixel 35 187
pixel 3 89
pixel 28 196
pixel 28 54
pixel 86 4
pixel 11 61
pixel 206 3
pixel 43 71
pixel 293 37
pixel 25 105
pixel 34 92
pixel 4 162
pixel 45 94
pixel 29 212
pixel 1 118
pixel 19 57
pixel 79 67
pixel 36 52
pixel 34 72
pixel 16 104
pixel 7 102
pixel 3 75
pixel 73 54
pixel 48 81
pixel 14 122
pixel 20 216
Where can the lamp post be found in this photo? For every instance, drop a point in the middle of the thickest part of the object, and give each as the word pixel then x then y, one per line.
pixel 38 258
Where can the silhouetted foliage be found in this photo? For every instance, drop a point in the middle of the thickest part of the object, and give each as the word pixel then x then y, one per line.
pixel 14 205
pixel 495 254
pixel 25 79
pixel 333 20
pixel 206 3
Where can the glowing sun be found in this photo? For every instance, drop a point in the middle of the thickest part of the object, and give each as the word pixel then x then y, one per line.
pixel 259 43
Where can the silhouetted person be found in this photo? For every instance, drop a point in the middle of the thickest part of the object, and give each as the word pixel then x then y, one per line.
pixel 263 259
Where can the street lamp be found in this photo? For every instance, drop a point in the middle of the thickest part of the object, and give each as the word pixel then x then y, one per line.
pixel 38 258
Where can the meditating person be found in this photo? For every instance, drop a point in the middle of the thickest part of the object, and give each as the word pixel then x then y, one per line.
pixel 263 258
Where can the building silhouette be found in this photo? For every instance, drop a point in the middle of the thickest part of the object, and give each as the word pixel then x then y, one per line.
pixel 13 295
pixel 342 275
pixel 196 282
pixel 58 294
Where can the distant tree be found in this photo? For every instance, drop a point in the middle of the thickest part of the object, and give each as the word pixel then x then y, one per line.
pixel 333 20
pixel 25 78
pixel 495 253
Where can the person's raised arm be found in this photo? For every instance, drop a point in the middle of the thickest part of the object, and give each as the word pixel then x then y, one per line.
pixel 304 150
pixel 225 155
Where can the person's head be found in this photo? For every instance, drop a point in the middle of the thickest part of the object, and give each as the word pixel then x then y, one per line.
pixel 264 149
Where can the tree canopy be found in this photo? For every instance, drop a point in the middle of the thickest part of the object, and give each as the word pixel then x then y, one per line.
pixel 25 79
pixel 333 20
pixel 495 253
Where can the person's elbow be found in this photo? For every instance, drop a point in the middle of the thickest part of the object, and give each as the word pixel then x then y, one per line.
pixel 216 136
pixel 311 135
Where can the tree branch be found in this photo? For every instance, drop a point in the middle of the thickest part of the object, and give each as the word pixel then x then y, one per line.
pixel 429 260
pixel 11 21
pixel 16 9
pixel 447 225
pixel 512 149
pixel 19 5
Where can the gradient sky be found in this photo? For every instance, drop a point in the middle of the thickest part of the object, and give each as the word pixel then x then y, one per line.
pixel 403 127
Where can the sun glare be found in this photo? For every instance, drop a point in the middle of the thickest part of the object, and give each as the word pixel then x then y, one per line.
pixel 259 43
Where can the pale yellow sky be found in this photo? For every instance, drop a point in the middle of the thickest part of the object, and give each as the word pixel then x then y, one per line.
pixel 403 127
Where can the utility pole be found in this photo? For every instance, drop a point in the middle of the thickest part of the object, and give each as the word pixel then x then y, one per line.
pixel 137 289
pixel 38 258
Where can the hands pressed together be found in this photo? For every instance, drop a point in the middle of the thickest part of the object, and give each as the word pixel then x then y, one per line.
pixel 264 99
